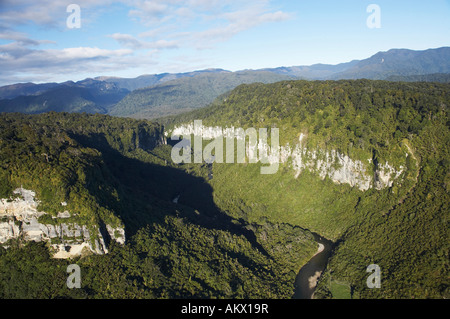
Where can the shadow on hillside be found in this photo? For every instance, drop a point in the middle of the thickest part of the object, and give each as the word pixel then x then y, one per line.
pixel 147 191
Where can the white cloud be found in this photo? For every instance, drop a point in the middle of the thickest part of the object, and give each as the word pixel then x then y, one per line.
pixel 152 12
pixel 19 37
pixel 235 22
pixel 17 60
pixel 89 53
pixel 127 40
pixel 204 20
pixel 46 13
pixel 170 24
pixel 130 41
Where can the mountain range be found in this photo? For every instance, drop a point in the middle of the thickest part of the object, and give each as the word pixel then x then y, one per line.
pixel 157 95
pixel 381 66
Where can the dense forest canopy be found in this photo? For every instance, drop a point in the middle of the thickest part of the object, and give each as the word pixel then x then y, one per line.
pixel 116 170
pixel 404 228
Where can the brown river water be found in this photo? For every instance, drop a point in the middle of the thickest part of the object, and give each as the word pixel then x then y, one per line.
pixel 309 274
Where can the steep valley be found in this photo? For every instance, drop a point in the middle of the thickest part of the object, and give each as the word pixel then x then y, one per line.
pixel 364 164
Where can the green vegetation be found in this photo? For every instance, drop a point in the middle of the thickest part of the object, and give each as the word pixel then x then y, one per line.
pixel 44 154
pixel 241 234
pixel 86 96
pixel 409 241
pixel 118 171
pixel 340 290
pixel 172 259
pixel 403 228
pixel 185 94
pixel 29 272
pixel 398 62
pixel 436 77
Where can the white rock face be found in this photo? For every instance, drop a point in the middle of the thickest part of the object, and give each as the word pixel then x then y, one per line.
pixel 8 229
pixel 19 218
pixel 116 234
pixel 385 176
pixel 340 168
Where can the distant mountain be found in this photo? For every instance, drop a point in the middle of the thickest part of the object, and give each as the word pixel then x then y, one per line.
pixel 143 81
pixel 187 93
pixel 88 96
pixel 193 92
pixel 398 62
pixel 314 72
pixel 153 95
pixel 382 65
pixel 14 90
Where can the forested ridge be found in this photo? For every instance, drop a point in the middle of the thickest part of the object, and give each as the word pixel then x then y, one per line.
pixel 187 93
pixel 402 228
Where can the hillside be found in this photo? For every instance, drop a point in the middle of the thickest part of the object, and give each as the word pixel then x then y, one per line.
pixel 147 80
pixel 398 62
pixel 315 71
pixel 436 77
pixel 88 96
pixel 187 93
pixel 152 95
pixel 380 66
pixel 110 171
pixel 15 90
pixel 364 163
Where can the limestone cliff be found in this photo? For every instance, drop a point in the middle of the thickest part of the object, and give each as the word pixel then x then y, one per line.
pixel 19 219
pixel 339 167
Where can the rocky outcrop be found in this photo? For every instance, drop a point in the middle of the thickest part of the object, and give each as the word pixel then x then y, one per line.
pixel 340 168
pixel 19 218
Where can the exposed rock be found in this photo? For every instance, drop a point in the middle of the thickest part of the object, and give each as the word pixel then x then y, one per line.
pixel 65 214
pixel 8 229
pixel 385 175
pixel 340 168
pixel 116 234
pixel 19 218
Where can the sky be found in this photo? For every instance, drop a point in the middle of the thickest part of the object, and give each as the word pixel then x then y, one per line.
pixel 50 41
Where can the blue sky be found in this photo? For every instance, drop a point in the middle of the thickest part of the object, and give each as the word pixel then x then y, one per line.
pixel 128 38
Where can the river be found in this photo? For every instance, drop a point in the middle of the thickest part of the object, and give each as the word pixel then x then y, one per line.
pixel 309 274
